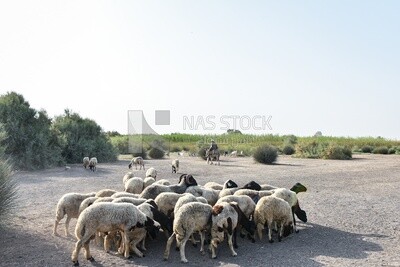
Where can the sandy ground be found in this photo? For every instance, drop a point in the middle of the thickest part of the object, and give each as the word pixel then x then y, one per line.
pixel 352 207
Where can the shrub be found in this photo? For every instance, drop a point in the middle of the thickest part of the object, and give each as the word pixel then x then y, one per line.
pixel 121 143
pixel 290 140
pixel 311 149
pixel 175 149
pixel 381 150
pixel 367 149
pixel 156 153
pixel 31 142
pixel 266 154
pixel 202 152
pixel 338 152
pixel 83 137
pixel 288 150
pixel 392 150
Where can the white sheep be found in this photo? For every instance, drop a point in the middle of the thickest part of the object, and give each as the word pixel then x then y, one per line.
pixel 217 186
pixel 151 172
pixel 163 182
pixel 191 217
pixel 86 203
pixel 270 210
pixel 210 194
pixel 175 165
pixel 166 202
pixel 106 217
pixel 105 192
pixel 148 181
pixel 85 162
pixel 93 164
pixel 69 205
pixel 224 219
pixel 154 190
pixel 127 176
pixel 134 185
pixel 134 201
pixel 124 194
pixel 137 161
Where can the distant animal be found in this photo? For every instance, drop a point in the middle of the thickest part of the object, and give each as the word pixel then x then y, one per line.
pixel 137 161
pixel 212 155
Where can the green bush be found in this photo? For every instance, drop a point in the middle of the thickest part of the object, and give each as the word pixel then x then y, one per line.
pixel 338 152
pixel 83 137
pixel 367 149
pixel 175 149
pixel 381 150
pixel 31 142
pixel 392 150
pixel 313 150
pixel 288 150
pixel 8 193
pixel 156 153
pixel 266 154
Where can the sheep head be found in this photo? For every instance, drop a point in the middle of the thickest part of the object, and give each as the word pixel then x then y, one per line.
pixel 230 184
pixel 252 185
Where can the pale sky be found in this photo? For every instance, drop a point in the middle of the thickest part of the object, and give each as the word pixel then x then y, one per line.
pixel 329 66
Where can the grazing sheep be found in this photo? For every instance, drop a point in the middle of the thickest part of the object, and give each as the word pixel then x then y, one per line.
pixel 187 198
pixel 228 191
pixel 93 164
pixel 298 187
pixel 175 165
pixel 148 181
pixel 134 201
pixel 137 161
pixel 151 172
pixel 269 210
pixel 217 186
pixel 69 205
pixel 290 197
pixel 127 176
pixel 86 203
pixel 234 153
pixel 163 182
pixel 85 162
pixel 134 185
pixel 191 217
pixel 103 199
pixel 210 194
pixel 254 194
pixel 105 192
pixel 166 202
pixel 154 190
pixel 107 217
pixel 124 194
pixel 224 219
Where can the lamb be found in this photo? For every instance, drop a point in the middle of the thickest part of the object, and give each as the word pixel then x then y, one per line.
pixel 224 219
pixel 134 185
pixel 217 186
pixel 151 172
pixel 154 190
pixel 175 165
pixel 137 161
pixel 191 217
pixel 269 210
pixel 69 205
pixel 105 192
pixel 93 164
pixel 85 162
pixel 106 217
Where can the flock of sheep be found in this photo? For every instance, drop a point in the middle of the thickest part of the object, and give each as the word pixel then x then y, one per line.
pixel 123 220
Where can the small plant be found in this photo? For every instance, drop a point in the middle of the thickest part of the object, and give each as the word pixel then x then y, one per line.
pixel 367 149
pixel 338 152
pixel 288 150
pixel 266 154
pixel 381 150
pixel 156 153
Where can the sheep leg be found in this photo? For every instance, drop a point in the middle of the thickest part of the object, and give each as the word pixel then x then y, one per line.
pixel 107 243
pixel 202 237
pixel 233 252
pixel 87 251
pixel 270 240
pixel 78 245
pixel 280 232
pixel 194 242
pixel 56 222
pixel 168 246
pixel 294 223
pixel 235 245
pixel 182 249
pixel 260 228
pixel 126 243
pixel 143 244
pixel 136 250
pixel 67 225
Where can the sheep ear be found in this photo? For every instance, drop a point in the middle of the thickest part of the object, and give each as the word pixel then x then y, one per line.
pixel 217 209
pixel 152 203
pixel 190 180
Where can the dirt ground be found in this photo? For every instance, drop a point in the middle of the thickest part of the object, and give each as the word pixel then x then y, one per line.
pixel 352 207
